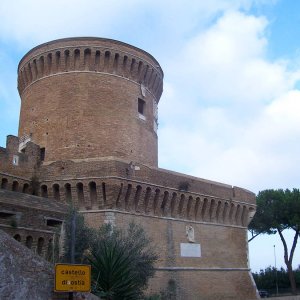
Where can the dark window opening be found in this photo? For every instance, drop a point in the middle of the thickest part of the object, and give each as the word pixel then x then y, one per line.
pixel 53 222
pixel 4 183
pixel 43 153
pixel 44 190
pixel 40 245
pixel 56 193
pixel 17 237
pixel 28 242
pixel 25 188
pixel 68 192
pixel 15 186
pixel 6 215
pixel 141 106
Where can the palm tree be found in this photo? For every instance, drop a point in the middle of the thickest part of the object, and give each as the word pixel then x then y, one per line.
pixel 122 262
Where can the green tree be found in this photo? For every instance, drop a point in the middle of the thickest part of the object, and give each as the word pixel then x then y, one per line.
pixel 278 210
pixel 267 279
pixel 83 237
pixel 122 262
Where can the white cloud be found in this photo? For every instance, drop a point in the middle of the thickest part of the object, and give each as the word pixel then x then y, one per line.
pixel 34 21
pixel 227 62
pixel 242 123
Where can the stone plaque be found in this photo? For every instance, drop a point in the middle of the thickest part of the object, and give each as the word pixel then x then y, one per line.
pixel 190 250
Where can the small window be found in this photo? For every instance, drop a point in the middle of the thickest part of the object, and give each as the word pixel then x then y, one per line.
pixel 4 183
pixel 141 106
pixel 42 154
pixel 6 214
pixel 16 160
pixel 53 222
pixel 28 242
pixel 17 237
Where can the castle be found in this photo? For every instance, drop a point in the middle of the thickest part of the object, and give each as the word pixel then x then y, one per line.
pixel 88 135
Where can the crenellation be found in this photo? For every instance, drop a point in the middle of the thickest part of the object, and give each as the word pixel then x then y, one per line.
pixel 34 69
pixel 48 65
pixel 198 208
pixel 148 200
pixel 97 60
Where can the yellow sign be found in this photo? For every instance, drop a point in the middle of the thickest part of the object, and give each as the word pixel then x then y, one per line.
pixel 72 278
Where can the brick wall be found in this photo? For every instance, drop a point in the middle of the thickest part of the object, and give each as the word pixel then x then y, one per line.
pixel 220 273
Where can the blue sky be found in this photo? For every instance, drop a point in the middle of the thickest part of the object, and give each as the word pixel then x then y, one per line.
pixel 230 110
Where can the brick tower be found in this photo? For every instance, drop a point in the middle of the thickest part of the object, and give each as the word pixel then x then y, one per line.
pixel 90 97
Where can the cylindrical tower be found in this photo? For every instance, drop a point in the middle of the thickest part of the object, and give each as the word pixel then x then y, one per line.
pixel 90 97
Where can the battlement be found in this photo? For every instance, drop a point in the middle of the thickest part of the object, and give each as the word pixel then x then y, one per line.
pixel 134 188
pixel 94 55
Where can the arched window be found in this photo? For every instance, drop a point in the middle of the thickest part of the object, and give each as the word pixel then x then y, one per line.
pixel 17 237
pixel 116 63
pixel 40 245
pixel 15 186
pixel 42 66
pixel 67 60
pixel 147 197
pixel 163 205
pixel 127 195
pixel 181 203
pixel 25 188
pixel 44 191
pixel 68 193
pixel 87 58
pixel 80 194
pixel 137 196
pixel 189 207
pixel 49 63
pixel 97 60
pixel 28 242
pixel 106 60
pixel 93 194
pixel 4 183
pixel 155 201
pixel 76 59
pixel 55 189
pixel 197 204
pixel 49 255
pixel 204 208
pixel 173 205
pixel 57 61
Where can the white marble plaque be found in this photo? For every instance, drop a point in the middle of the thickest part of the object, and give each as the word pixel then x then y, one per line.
pixel 190 250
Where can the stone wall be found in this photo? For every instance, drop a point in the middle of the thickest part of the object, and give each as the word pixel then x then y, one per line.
pixel 31 220
pixel 23 275
pixel 19 162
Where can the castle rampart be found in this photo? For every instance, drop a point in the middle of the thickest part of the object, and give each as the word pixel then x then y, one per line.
pixel 140 190
pixel 106 56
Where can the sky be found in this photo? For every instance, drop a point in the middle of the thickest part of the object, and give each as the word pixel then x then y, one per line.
pixel 230 110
